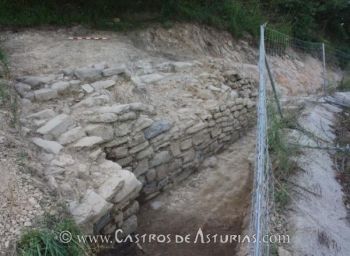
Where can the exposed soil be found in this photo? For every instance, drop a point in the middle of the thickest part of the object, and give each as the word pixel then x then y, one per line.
pixel 216 199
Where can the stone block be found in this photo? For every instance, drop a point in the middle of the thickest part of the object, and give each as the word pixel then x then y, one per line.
pixel 99 85
pixel 139 147
pixel 186 144
pixel 142 123
pixel 44 114
pixel 197 127
pixel 140 107
pixel 89 74
pixel 71 136
pixel 103 118
pixel 151 175
pixel 141 167
pixel 57 125
pixel 49 146
pixel 162 171
pixel 93 101
pixel 106 132
pixel 157 128
pixel 175 148
pixel 109 189
pixel 146 153
pixel 136 139
pixel 45 94
pixel 22 89
pixel 201 137
pixel 61 86
pixel 151 78
pixel 125 161
pixel 127 116
pixel 37 81
pixel 115 70
pixel 89 210
pixel 188 155
pixel 130 189
pixel 116 109
pixel 87 142
pixel 160 158
pixel 87 88
pixel 119 152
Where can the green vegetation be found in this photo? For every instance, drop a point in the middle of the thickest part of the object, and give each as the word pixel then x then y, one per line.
pixel 4 94
pixel 281 152
pixel 4 72
pixel 44 240
pixel 309 20
pixel 344 85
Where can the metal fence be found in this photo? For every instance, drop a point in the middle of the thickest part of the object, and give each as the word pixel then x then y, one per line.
pixel 274 43
pixel 260 213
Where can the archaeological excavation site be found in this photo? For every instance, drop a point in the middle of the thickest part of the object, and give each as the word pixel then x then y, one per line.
pixel 149 138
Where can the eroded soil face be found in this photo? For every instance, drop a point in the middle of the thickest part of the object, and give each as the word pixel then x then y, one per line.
pixel 216 199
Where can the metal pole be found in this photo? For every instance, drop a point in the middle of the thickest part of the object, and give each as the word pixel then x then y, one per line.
pixel 324 70
pixel 273 88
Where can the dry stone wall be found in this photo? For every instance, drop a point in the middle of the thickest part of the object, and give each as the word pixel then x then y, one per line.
pixel 104 157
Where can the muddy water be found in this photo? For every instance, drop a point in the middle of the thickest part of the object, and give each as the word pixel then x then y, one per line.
pixel 215 200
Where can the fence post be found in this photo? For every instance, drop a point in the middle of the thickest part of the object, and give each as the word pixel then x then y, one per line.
pixel 324 70
pixel 273 88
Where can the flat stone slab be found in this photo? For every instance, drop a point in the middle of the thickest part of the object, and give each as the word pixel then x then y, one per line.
pixel 48 145
pixel 71 135
pixel 87 88
pixel 57 125
pixel 115 70
pixel 45 94
pixel 87 142
pixel 37 81
pixel 43 114
pixel 60 86
pixel 151 78
pixel 88 74
pixel 103 84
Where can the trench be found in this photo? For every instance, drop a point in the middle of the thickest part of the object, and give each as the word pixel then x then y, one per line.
pixel 215 200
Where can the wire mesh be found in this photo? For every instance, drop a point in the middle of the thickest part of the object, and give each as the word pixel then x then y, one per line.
pixel 275 43
pixel 260 213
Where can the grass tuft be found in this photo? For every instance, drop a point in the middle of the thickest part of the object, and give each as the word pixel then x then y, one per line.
pixel 44 240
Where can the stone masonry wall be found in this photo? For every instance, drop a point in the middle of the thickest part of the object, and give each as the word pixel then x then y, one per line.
pixel 160 152
pixel 104 157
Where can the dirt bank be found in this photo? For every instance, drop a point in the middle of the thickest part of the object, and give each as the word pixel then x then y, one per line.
pixel 35 51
